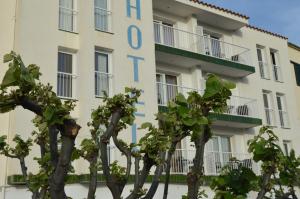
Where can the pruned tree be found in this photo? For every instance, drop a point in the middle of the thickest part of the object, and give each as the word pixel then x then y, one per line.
pixel 234 182
pixel 110 119
pixel 280 173
pixel 278 170
pixel 214 99
pixel 21 87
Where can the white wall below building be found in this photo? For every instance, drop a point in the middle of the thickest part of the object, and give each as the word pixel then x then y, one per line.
pixel 78 191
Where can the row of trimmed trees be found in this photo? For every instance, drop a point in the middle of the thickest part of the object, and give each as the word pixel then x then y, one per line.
pixel 185 118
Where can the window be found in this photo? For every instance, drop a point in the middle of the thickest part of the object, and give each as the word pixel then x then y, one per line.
pixel 102 15
pixel 297 72
pixel 65 75
pixel 67 15
pixel 167 88
pixel 164 33
pixel 287 146
pixel 282 111
pixel 263 66
pixel 268 106
pixel 212 44
pixel 276 66
pixel 102 74
pixel 219 151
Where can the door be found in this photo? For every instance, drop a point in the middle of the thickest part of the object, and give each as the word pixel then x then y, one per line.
pixel 218 151
pixel 167 88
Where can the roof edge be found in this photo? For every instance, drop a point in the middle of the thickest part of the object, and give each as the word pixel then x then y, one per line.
pixel 266 31
pixel 292 45
pixel 221 9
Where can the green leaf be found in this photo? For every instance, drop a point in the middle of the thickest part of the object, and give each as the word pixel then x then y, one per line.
pixel 229 85
pixel 189 121
pixel 213 86
pixel 146 125
pixel 10 77
pixel 7 58
pixel 202 121
pixel 181 99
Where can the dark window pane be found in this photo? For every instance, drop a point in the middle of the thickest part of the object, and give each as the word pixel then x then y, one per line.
pixel 297 73
pixel 64 62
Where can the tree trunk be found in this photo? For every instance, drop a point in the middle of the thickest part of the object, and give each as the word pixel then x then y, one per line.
pixel 168 169
pixel 155 183
pixel 194 177
pixel 148 163
pixel 115 188
pixel 266 179
pixel 93 178
pixel 57 179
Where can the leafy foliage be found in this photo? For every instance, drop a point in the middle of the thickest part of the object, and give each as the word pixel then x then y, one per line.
pixel 234 182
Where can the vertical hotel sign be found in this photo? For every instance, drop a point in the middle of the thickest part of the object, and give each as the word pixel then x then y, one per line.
pixel 135 42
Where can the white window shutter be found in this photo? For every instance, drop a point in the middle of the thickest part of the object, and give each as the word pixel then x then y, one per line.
pixel 199 39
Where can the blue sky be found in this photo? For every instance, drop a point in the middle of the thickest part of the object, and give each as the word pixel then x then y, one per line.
pixel 279 16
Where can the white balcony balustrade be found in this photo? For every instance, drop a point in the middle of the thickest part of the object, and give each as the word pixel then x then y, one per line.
pixel 270 117
pixel 67 19
pixel 264 70
pixel 102 83
pixel 66 85
pixel 173 37
pixel 103 20
pixel 283 119
pixel 182 161
pixel 277 73
pixel 240 106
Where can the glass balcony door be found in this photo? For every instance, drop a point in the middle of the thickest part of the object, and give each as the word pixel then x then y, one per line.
pixel 167 88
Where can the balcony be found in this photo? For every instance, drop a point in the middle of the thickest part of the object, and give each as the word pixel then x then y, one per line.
pixel 241 112
pixel 186 49
pixel 182 161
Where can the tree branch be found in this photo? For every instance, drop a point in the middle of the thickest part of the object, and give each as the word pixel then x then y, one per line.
pixel 126 151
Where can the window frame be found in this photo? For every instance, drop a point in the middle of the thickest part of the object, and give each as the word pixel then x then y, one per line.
pixel 108 14
pixel 108 73
pixel 283 109
pixel 74 11
pixel 264 62
pixel 277 66
pixel 73 74
pixel 270 110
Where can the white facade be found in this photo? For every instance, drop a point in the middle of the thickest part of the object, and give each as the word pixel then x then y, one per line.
pixel 163 47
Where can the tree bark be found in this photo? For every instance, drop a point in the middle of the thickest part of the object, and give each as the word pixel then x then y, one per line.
pixel 168 169
pixel 155 183
pixel 57 179
pixel 148 163
pixel 266 179
pixel 93 178
pixel 53 133
pixel 194 177
pixel 104 141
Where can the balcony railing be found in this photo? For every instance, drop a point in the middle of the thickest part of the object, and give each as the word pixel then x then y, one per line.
pixel 182 161
pixel 66 85
pixel 283 119
pixel 270 117
pixel 277 73
pixel 67 19
pixel 173 37
pixel 102 83
pixel 240 106
pixel 103 20
pixel 264 70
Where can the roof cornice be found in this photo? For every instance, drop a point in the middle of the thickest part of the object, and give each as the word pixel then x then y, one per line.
pixel 220 8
